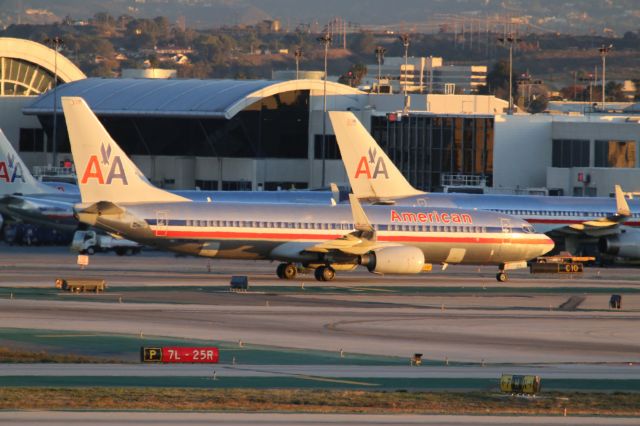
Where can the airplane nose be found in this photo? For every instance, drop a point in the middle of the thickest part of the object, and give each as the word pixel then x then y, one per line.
pixel 547 244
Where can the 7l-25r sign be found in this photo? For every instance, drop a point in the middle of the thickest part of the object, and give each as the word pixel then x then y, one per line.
pixel 180 354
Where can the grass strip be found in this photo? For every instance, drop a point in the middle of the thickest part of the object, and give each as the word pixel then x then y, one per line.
pixel 317 401
pixel 17 356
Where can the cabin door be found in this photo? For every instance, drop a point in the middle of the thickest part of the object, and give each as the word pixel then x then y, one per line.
pixel 507 230
pixel 162 223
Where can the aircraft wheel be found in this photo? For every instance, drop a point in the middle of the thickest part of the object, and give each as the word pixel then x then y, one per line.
pixel 280 269
pixel 502 277
pixel 91 250
pixel 328 273
pixel 289 271
pixel 318 273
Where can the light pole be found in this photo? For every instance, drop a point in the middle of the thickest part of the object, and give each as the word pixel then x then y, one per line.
pixel 325 39
pixel 380 55
pixel 298 55
pixel 405 42
pixel 511 39
pixel 604 50
pixel 56 43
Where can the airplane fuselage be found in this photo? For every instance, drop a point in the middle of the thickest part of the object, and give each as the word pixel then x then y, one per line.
pixel 280 231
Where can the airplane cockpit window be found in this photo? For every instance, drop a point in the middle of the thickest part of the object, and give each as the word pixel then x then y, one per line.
pixel 528 229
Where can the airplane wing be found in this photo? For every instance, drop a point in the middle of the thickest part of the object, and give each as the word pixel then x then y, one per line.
pixel 359 242
pixel 605 225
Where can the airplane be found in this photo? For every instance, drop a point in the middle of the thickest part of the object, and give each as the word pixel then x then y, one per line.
pixel 612 222
pixel 117 198
pixel 25 198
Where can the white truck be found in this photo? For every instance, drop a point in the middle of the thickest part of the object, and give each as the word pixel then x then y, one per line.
pixel 90 242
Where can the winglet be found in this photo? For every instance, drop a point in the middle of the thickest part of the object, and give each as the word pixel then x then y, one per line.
pixel 371 173
pixel 105 173
pixel 360 219
pixel 622 207
pixel 335 193
pixel 15 177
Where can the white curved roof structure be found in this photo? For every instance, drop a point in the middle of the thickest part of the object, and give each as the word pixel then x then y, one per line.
pixel 178 98
pixel 28 68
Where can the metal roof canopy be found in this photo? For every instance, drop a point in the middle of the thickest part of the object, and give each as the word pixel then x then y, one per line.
pixel 175 97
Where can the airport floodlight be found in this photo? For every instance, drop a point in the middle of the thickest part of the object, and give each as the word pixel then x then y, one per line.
pixel 298 55
pixel 510 39
pixel 325 39
pixel 56 43
pixel 404 38
pixel 604 51
pixel 380 55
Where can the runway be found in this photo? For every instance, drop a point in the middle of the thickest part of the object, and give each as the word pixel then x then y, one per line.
pixel 461 316
pixel 554 371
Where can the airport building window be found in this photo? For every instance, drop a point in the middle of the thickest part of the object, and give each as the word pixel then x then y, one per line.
pixel 31 140
pixel 570 153
pixel 284 185
pixel 615 153
pixel 241 185
pixel 331 152
pixel 207 185
pixel 424 147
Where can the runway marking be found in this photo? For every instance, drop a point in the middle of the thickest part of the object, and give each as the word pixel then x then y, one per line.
pixel 373 289
pixel 325 379
pixel 70 335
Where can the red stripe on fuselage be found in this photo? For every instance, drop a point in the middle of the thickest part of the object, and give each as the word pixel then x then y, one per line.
pixel 573 222
pixel 328 237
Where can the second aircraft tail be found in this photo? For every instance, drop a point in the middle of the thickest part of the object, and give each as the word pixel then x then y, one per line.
pixel 371 173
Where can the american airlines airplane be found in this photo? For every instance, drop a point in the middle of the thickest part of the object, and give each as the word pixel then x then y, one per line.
pixel 27 199
pixel 385 239
pixel 373 177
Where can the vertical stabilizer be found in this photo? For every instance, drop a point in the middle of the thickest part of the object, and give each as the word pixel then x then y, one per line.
pixel 105 173
pixel 371 173
pixel 14 174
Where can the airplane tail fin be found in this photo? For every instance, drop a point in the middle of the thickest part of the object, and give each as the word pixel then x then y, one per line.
pixel 105 173
pixel 15 177
pixel 371 173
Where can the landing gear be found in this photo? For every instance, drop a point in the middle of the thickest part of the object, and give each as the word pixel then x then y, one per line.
pixel 286 271
pixel 502 276
pixel 325 273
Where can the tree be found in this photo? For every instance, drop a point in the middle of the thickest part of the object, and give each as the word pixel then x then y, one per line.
pixel 498 80
pixel 354 76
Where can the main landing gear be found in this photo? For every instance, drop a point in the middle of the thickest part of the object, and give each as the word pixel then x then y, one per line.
pixel 502 276
pixel 325 273
pixel 286 271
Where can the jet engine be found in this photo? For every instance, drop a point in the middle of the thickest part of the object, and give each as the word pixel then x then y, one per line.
pixel 394 260
pixel 625 244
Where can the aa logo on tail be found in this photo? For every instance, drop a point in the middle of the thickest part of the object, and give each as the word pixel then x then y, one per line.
pixel 110 167
pixel 11 170
pixel 373 166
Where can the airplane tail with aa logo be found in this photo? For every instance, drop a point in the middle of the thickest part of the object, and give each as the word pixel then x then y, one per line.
pixel 15 177
pixel 105 173
pixel 371 173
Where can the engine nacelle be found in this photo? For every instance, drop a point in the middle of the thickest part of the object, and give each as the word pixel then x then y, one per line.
pixel 625 244
pixel 394 260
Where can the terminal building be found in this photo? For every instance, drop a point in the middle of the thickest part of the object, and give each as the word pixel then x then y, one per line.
pixel 425 75
pixel 260 134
